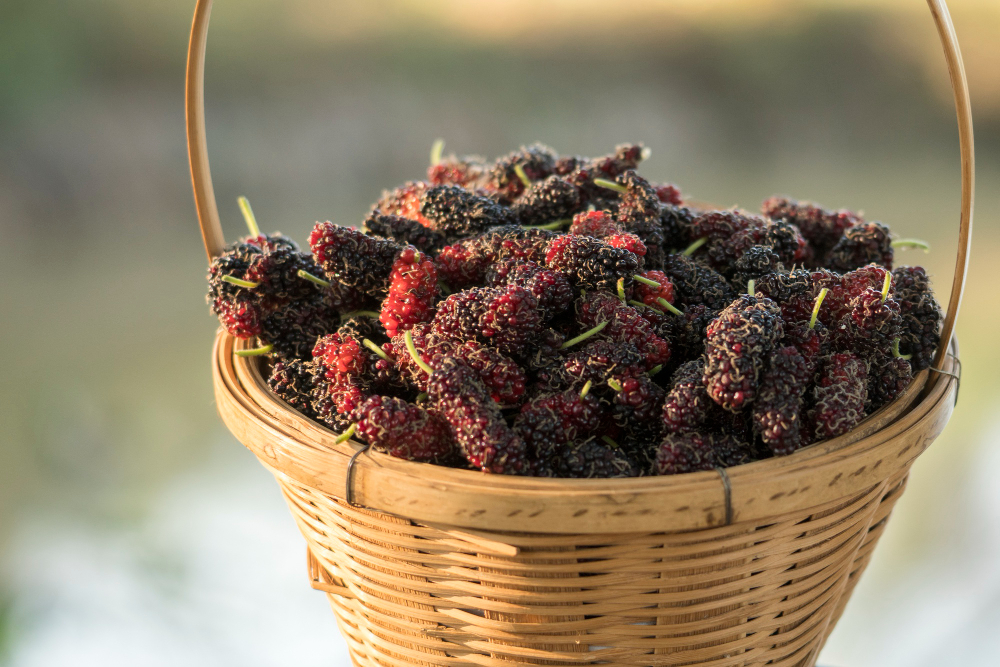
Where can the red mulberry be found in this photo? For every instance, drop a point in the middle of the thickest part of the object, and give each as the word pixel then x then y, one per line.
pixel 598 224
pixel 550 288
pixel 412 291
pixel 871 327
pixel 625 324
pixel 353 259
pixel 402 429
pixel 637 404
pixel 650 295
pixel 590 263
pixel 511 320
pixel 839 397
pixel 465 171
pixel 601 359
pixel 404 201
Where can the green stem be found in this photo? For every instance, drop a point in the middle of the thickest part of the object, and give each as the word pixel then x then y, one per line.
pixel 258 352
pixel 421 397
pixel 886 285
pixel 519 170
pixel 912 243
pixel 437 148
pixel 621 290
pixel 586 389
pixel 615 384
pixel 819 302
pixel 646 281
pixel 248 215
pixel 584 336
pixel 551 226
pixel 896 353
pixel 346 435
pixel 750 286
pixel 313 279
pixel 669 306
pixel 654 370
pixel 609 185
pixel 640 305
pixel 413 353
pixel 611 443
pixel 359 313
pixel 240 283
pixel 444 288
pixel 694 246
pixel 375 348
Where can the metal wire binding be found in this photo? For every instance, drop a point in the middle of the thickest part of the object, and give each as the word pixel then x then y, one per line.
pixel 349 490
pixel 958 377
pixel 728 489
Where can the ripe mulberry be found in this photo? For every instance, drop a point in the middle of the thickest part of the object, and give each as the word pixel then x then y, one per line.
pixel 548 200
pixel 888 377
pixel 511 320
pixel 871 327
pixel 551 421
pixel 687 405
pixel 412 292
pixel 921 315
pixel 476 423
pixel 637 405
pixel 550 288
pixel 668 193
pixel 601 359
pixel 650 295
pixel 240 316
pixel 624 324
pixel 402 429
pixel 451 170
pixel 537 161
pixel 294 328
pixel 459 315
pixel 353 259
pixel 695 283
pixel 677 222
pixel 404 231
pixel 456 212
pixel 736 349
pixel 820 227
pixel 777 413
pixel 639 214
pixel 840 395
pixel 294 380
pixel 466 262
pixel 862 244
pixel 404 201
pixel 693 451
pixel 598 224
pixel 757 262
pixel 590 263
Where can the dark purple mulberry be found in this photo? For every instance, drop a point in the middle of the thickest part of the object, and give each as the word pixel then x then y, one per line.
pixel 402 429
pixel 552 199
pixel 639 214
pixel 757 262
pixel 587 459
pixel 864 243
pixel 693 451
pixel 820 227
pixel 405 231
pixel 550 421
pixel 294 328
pixel 294 380
pixel 777 413
pixel 456 212
pixel 502 180
pixel 353 259
pixel 695 283
pixel 590 263
pixel 550 288
pixel 687 405
pixel 921 315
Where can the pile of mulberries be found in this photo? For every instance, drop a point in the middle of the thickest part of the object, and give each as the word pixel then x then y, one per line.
pixel 563 316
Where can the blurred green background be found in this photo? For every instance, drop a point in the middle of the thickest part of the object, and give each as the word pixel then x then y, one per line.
pixel 134 530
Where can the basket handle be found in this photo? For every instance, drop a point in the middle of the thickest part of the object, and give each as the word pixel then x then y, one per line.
pixel 208 210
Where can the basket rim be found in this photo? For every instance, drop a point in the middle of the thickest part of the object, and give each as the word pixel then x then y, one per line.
pixel 294 446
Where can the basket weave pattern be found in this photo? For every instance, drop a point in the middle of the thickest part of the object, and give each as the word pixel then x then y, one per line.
pixel 760 592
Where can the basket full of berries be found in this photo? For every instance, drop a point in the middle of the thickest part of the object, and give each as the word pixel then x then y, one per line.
pixel 539 410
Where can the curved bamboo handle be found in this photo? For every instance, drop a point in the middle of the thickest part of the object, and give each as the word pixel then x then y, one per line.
pixel 208 212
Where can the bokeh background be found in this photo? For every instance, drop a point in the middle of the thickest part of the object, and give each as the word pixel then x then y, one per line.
pixel 134 530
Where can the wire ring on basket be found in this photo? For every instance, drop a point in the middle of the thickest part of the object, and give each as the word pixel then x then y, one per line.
pixel 727 489
pixel 348 485
pixel 957 376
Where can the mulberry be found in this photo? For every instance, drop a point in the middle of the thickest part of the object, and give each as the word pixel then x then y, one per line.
pixel 888 377
pixel 677 223
pixel 537 161
pixel 777 413
pixel 511 320
pixel 687 405
pixel 650 295
pixel 737 345
pixel 872 326
pixel 862 244
pixel 548 200
pixel 550 288
pixel 404 231
pixel 551 421
pixel 668 193
pixel 459 315
pixel 637 404
pixel 456 212
pixel 757 262
pixel 412 291
pixel 294 380
pixel 590 263
pixel 921 315
pixel 697 284
pixel 602 359
pixel 820 227
pixel 598 224
pixel 693 451
pixel 402 429
pixel 475 422
pixel 840 395
pixel 624 324
pixel 591 459
pixel 465 171
pixel 639 214
pixel 404 201
pixel 353 259
pixel 294 328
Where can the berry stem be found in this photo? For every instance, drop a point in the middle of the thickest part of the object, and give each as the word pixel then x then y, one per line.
pixel 551 226
pixel 313 279
pixel 640 305
pixel 257 352
pixel 359 313
pixel 371 345
pixel 912 243
pixel 654 370
pixel 647 281
pixel 586 387
pixel 444 288
pixel 248 215
pixel 819 302
pixel 750 286
pixel 437 148
pixel 346 435
pixel 621 290
pixel 519 170
pixel 608 440
pixel 669 306
pixel 584 336
pixel 694 246
pixel 896 353
pixel 615 384
pixel 412 349
pixel 421 397
pixel 240 283
pixel 886 285
pixel 609 185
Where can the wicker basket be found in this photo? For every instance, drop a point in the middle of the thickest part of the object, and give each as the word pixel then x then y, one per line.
pixel 425 565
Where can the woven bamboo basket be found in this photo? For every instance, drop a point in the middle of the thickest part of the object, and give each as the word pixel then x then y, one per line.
pixel 426 565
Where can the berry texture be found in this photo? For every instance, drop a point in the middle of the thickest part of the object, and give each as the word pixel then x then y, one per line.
pixel 921 315
pixel 590 263
pixel 456 212
pixel 550 288
pixel 695 283
pixel 294 380
pixel 294 328
pixel 412 292
pixel 511 320
pixel 551 421
pixel 402 429
pixel 677 223
pixel 777 413
pixel 840 395
pixel 871 327
pixel 862 244
pixel 888 377
pixel 637 406
pixel 601 359
pixel 404 231
pixel 587 459
pixel 820 227
pixel 639 214
pixel 465 171
pixel 598 224
pixel 694 451
pixel 650 295
pixel 502 180
pixel 738 343
pixel 474 420
pixel 546 201
pixel 757 262
pixel 624 324
pixel 404 201
pixel 353 259
pixel 687 405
